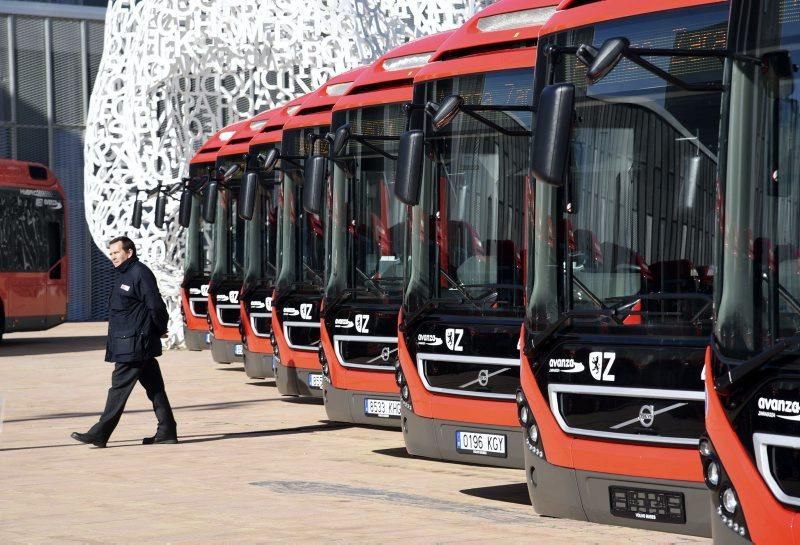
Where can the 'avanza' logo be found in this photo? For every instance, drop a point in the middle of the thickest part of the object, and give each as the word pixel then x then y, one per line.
pixel 565 365
pixel 427 339
pixel 769 408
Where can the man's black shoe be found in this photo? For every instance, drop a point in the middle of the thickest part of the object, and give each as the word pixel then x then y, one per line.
pixel 88 439
pixel 156 440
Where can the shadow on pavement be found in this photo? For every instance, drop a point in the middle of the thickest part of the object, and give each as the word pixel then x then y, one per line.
pixel 36 346
pixel 303 400
pixel 399 452
pixel 202 407
pixel 508 493
pixel 325 426
pixel 203 438
pixel 270 383
pixel 229 368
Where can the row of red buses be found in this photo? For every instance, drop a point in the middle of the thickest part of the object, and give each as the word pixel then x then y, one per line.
pixel 33 248
pixel 629 204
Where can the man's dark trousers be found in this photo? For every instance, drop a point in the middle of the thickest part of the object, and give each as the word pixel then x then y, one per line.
pixel 123 379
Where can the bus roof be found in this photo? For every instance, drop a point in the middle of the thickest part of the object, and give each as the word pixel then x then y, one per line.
pixel 271 132
pixel 316 109
pixel 503 36
pixel 239 143
pixel 391 77
pixel 208 151
pixel 573 14
pixel 26 174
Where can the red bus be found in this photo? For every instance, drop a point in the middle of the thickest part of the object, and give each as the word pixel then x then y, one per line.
pixel 298 288
pixel 365 231
pixel 261 244
pixel 620 253
pixel 463 167
pixel 228 264
pixel 199 255
pixel 33 248
pixel 751 455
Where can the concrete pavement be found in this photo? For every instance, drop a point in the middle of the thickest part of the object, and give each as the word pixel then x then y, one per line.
pixel 251 467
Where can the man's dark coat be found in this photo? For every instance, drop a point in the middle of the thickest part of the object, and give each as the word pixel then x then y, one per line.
pixel 137 315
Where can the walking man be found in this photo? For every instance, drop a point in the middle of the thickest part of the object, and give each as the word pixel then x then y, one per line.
pixel 137 319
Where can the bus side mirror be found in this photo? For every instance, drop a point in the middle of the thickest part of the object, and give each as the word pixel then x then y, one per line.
pixel 232 170
pixel 247 195
pixel 161 209
pixel 136 218
pixel 340 140
pixel 185 210
pixel 609 55
pixel 314 184
pixel 448 109
pixel 553 128
pixel 270 159
pixel 210 205
pixel 408 177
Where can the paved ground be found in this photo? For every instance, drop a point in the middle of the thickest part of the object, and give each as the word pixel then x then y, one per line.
pixel 252 467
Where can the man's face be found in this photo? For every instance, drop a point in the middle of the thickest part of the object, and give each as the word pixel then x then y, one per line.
pixel 118 255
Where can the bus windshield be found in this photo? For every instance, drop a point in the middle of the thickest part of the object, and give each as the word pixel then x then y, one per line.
pixel 302 246
pixel 261 232
pixel 466 234
pixel 367 239
pixel 758 297
pixel 229 227
pixel 632 232
pixel 199 233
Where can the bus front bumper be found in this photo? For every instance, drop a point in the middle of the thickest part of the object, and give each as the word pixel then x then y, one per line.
pixel 357 407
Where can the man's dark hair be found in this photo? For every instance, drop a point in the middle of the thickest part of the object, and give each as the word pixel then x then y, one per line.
pixel 127 244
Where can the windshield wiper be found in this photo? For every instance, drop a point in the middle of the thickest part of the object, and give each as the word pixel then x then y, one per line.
pixel 738 371
pixel 624 306
pixel 563 321
pixel 371 283
pixel 492 290
pixel 589 293
pixel 315 273
pixel 464 293
pixel 409 321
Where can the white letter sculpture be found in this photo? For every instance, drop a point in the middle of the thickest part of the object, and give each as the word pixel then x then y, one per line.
pixel 174 72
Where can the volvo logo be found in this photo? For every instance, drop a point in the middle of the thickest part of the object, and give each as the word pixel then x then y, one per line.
pixel 386 352
pixel 483 377
pixel 647 415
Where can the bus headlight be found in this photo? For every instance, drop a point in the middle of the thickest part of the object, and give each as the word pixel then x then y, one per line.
pixel 729 500
pixel 712 473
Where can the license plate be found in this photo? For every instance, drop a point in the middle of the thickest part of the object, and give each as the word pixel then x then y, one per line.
pixel 208 338
pixel 484 444
pixel 315 381
pixel 382 408
pixel 274 365
pixel 238 350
